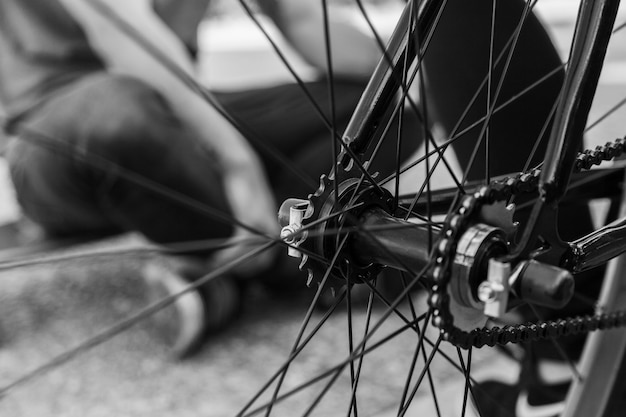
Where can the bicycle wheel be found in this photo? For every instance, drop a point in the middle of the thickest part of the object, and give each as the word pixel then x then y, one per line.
pixel 362 378
pixel 367 219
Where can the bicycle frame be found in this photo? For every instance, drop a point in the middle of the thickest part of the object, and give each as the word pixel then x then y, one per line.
pixel 592 33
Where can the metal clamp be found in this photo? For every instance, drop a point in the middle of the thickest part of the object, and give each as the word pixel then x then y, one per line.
pixel 494 292
pixel 292 233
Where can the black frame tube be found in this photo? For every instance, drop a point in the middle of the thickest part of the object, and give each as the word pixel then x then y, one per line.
pixel 591 38
pixel 372 111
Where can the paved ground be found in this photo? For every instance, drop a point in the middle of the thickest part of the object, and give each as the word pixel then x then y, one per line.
pixel 45 310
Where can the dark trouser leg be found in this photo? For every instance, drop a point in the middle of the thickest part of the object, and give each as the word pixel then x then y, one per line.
pixel 123 122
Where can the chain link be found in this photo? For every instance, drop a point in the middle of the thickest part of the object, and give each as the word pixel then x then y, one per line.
pixel 445 250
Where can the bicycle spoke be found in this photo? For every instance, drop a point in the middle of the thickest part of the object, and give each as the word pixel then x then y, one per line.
pixel 391 306
pixel 409 300
pixel 419 349
pixel 399 132
pixel 537 143
pixel 321 395
pixel 418 383
pixel 431 382
pixel 619 27
pixel 331 90
pixel 368 317
pixel 422 115
pixel 468 385
pixel 425 187
pixel 422 90
pixel 605 115
pixel 316 106
pixel 353 380
pixel 130 251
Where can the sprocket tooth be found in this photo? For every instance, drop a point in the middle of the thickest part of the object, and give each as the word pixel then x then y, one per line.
pixel 322 187
pixel 303 261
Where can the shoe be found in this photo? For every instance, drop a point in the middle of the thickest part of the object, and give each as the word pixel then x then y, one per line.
pixel 196 312
pixel 540 392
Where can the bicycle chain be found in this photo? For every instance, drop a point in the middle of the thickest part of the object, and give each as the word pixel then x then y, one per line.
pixel 454 227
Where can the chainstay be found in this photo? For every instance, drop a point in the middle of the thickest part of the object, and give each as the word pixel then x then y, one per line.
pixel 443 256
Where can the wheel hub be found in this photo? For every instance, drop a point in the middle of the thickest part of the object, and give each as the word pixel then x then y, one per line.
pixel 321 229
